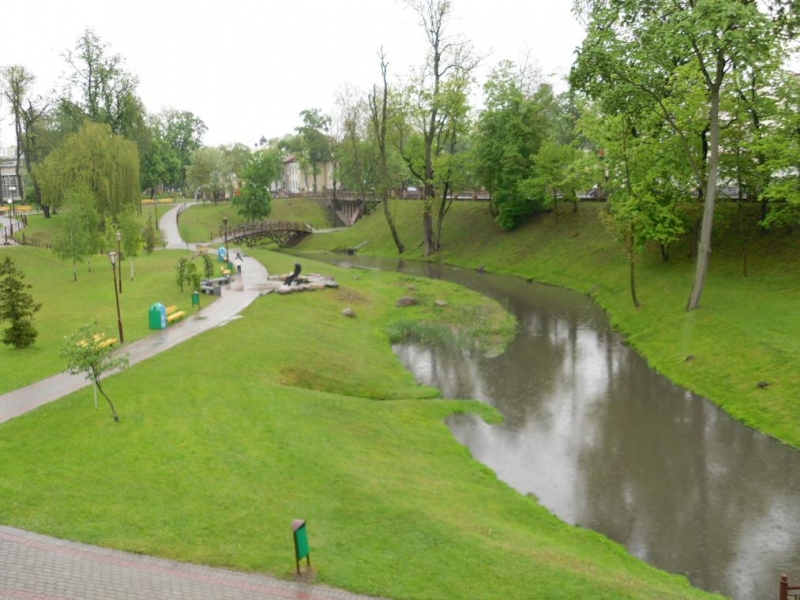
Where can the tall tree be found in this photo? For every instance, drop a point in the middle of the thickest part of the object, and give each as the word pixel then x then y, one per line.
pixel 379 112
pixel 262 169
pixel 29 113
pixel 356 160
pixel 79 235
pixel 209 170
pixel 645 49
pixel 439 95
pixel 159 160
pixel 781 152
pixel 315 141
pixel 183 132
pixel 510 132
pixel 96 160
pixel 99 88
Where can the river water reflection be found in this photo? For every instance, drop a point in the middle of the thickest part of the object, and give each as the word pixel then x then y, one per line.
pixel 605 442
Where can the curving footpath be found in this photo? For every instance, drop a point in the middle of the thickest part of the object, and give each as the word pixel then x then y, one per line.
pixel 37 567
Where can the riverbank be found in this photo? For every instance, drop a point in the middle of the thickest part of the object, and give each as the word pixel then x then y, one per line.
pixel 296 411
pixel 746 333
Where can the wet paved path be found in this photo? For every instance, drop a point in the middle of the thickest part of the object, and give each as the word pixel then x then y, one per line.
pixel 37 567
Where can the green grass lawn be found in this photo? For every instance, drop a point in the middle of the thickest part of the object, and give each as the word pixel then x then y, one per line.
pixel 66 304
pixel 45 231
pixel 746 331
pixel 295 411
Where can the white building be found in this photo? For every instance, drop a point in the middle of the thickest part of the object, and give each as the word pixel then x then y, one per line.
pixel 298 181
pixel 10 188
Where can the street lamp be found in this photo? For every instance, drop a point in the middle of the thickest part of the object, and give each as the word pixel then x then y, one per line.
pixel 225 222
pixel 119 253
pixel 113 257
pixel 11 190
pixel 10 222
pixel 155 207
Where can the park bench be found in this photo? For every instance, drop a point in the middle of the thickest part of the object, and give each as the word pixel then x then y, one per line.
pixel 173 314
pixel 100 340
pixel 213 286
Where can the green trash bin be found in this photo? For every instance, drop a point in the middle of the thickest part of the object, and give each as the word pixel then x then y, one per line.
pixel 196 298
pixel 158 316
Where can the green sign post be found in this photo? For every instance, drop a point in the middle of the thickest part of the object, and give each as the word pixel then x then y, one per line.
pixel 301 549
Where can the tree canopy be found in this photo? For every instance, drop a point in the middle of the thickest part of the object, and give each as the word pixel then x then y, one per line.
pixel 98 162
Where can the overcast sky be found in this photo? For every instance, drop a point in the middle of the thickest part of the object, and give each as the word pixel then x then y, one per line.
pixel 248 68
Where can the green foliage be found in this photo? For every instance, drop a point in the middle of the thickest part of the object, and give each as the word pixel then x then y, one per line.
pixel 511 130
pixel 16 306
pixel 152 236
pixel 315 143
pixel 668 67
pixel 175 135
pixel 84 353
pixel 100 90
pixel 208 265
pixel 262 169
pixel 99 163
pixel 192 277
pixel 182 271
pixel 781 156
pixel 79 236
pixel 132 238
pixel 209 173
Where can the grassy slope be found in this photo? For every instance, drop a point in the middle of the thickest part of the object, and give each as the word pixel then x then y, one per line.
pixel 747 330
pixel 227 438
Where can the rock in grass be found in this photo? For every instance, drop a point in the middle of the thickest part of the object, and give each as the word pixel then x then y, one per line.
pixel 407 301
pixel 349 312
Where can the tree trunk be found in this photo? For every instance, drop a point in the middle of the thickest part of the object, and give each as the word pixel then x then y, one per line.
pixel 379 121
pixel 390 220
pixel 632 264
pixel 704 246
pixel 427 228
pixel 745 239
pixel 443 208
pixel 111 404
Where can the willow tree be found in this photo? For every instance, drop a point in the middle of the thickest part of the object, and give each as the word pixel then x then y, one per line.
pixel 98 160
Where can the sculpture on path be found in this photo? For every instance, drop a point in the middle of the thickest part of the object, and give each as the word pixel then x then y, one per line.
pixel 293 277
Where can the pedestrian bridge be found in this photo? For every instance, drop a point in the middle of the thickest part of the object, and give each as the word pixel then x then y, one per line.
pixel 283 233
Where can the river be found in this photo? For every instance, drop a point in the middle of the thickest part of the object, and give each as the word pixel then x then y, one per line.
pixel 607 443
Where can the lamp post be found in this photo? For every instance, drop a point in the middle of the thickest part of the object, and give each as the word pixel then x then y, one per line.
pixel 155 207
pixel 225 223
pixel 113 257
pixel 119 254
pixel 10 222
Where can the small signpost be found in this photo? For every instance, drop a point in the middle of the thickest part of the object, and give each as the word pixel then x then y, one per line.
pixel 301 549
